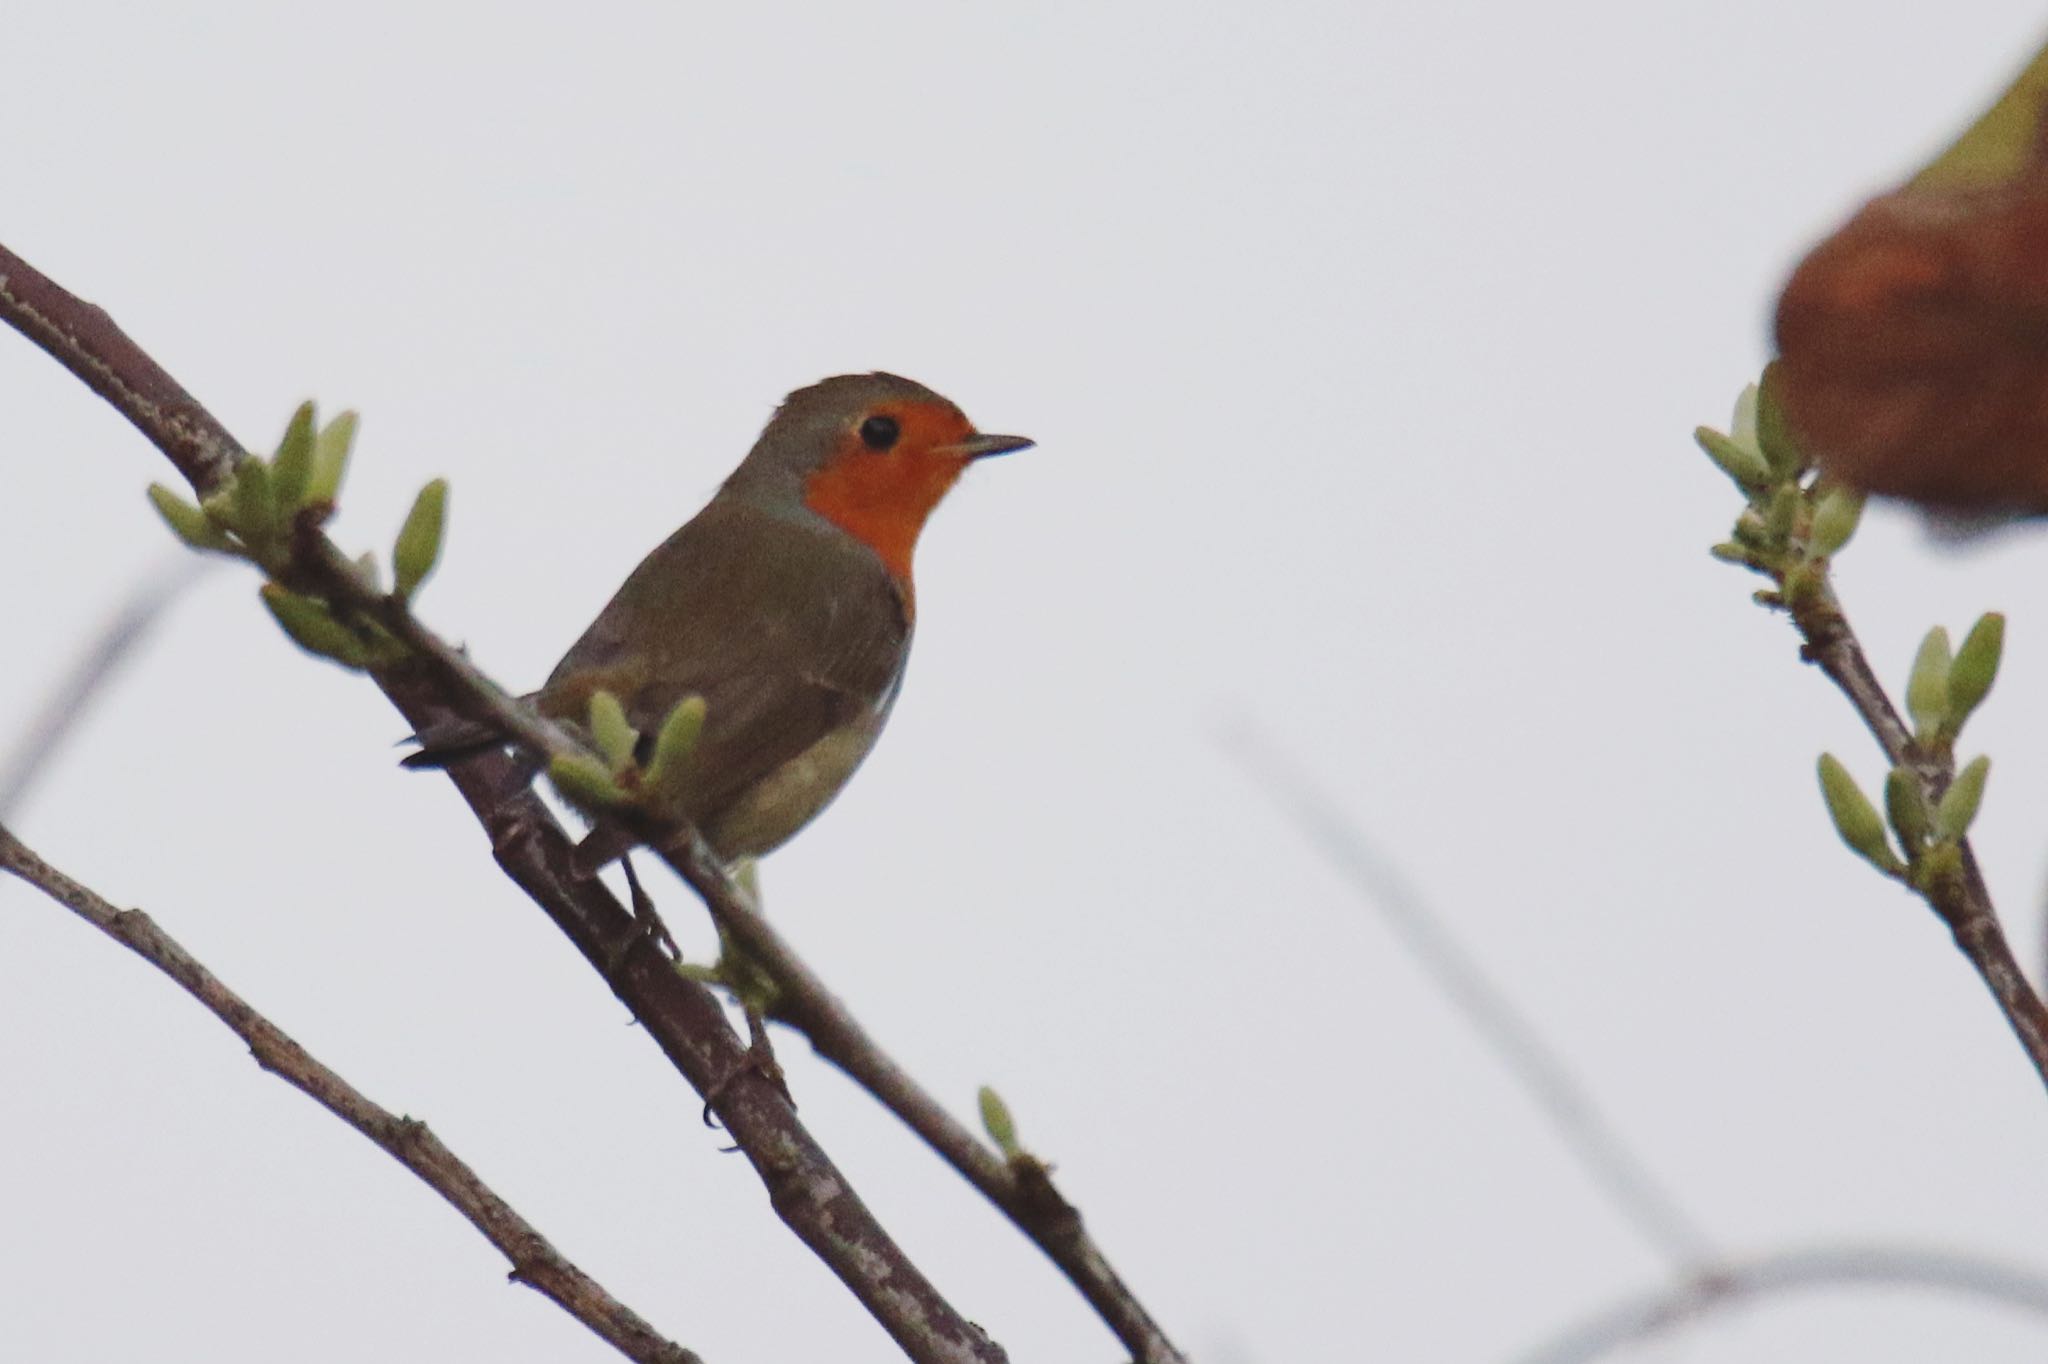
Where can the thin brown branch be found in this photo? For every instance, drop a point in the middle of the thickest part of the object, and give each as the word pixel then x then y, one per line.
pixel 1021 1188
pixel 1743 1283
pixel 1963 901
pixel 683 1018
pixel 535 1262
pixel 1515 1040
pixel 82 338
pixel 82 683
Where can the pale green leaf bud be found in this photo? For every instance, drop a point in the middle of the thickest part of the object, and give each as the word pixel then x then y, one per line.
pixel 292 469
pixel 313 627
pixel 614 736
pixel 1781 515
pixel 419 539
pixel 187 521
pixel 1975 667
pixel 330 459
pixel 1739 462
pixel 1927 686
pixel 1773 435
pixel 1958 807
pixel 997 1122
pixel 1854 816
pixel 673 747
pixel 1834 521
pixel 1905 804
pixel 584 781
pixel 254 505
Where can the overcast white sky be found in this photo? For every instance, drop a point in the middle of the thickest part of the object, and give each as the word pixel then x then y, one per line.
pixel 1362 343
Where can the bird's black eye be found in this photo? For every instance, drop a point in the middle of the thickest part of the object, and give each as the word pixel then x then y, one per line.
pixel 879 433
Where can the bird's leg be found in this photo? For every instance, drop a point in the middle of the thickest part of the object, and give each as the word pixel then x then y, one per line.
pixel 756 992
pixel 644 914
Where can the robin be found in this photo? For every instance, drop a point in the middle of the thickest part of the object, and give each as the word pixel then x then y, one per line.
pixel 786 604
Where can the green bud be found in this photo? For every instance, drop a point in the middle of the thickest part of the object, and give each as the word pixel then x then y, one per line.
pixel 1803 584
pixel 615 737
pixel 1742 424
pixel 366 565
pixel 1941 863
pixel 313 627
pixel 1834 521
pixel 584 781
pixel 1927 687
pixel 1749 530
pixel 996 1121
pixel 1975 667
pixel 1781 514
pixel 1855 818
pixel 419 539
pixel 1958 808
pixel 1739 462
pixel 674 745
pixel 1905 804
pixel 255 503
pixel 330 460
pixel 186 521
pixel 219 505
pixel 292 469
pixel 1773 435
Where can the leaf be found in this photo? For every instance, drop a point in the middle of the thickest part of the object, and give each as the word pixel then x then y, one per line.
pixel 2002 145
pixel 1738 461
pixel 1905 804
pixel 583 781
pixel 187 521
pixel 1958 807
pixel 1975 667
pixel 997 1122
pixel 1834 521
pixel 1854 816
pixel 615 738
pixel 313 627
pixel 292 469
pixel 419 539
pixel 1774 437
pixel 1927 686
pixel 330 459
pixel 673 747
pixel 254 503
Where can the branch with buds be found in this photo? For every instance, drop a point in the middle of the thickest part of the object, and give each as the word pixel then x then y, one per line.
pixel 1793 522
pixel 269 512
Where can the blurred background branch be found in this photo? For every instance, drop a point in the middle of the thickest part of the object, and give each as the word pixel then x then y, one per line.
pixel 72 695
pixel 1735 1284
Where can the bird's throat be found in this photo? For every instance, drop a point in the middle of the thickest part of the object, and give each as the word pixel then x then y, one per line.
pixel 882 501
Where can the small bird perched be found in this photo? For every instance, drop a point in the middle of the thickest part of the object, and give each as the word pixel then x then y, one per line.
pixel 786 604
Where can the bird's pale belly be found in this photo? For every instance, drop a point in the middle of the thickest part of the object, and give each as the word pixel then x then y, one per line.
pixel 773 809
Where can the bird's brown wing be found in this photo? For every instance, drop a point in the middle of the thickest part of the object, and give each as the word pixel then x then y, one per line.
pixel 789 630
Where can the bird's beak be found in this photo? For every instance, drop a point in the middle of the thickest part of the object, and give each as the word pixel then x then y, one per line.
pixel 981 447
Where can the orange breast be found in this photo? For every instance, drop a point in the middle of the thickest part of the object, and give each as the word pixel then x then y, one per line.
pixel 883 500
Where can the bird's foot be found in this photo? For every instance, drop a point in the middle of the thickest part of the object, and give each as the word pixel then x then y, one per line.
pixel 757 1059
pixel 645 916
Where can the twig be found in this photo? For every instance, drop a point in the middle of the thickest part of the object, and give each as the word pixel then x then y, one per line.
pixel 100 661
pixel 684 1018
pixel 1515 1040
pixel 1964 901
pixel 1742 1282
pixel 535 1262
pixel 1022 1189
